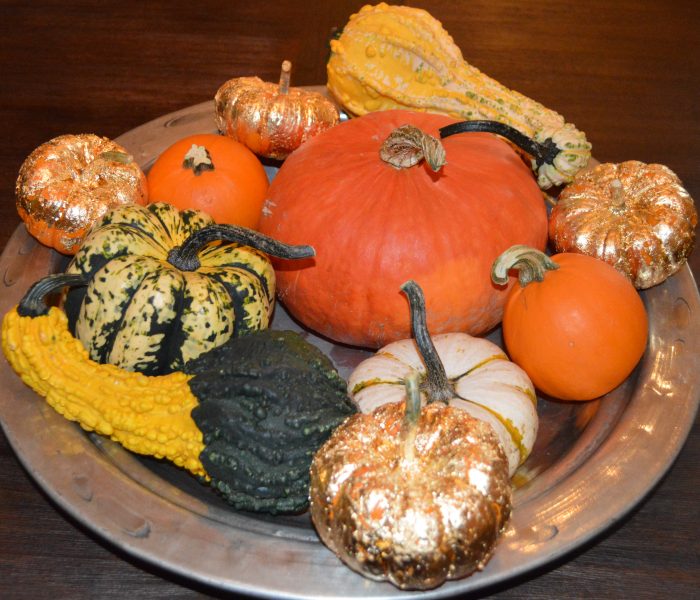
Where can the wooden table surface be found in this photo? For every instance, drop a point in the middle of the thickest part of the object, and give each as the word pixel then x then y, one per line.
pixel 626 72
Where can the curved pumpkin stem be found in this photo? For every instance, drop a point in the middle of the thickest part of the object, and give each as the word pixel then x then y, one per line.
pixel 407 145
pixel 33 304
pixel 185 257
pixel 437 384
pixel 544 153
pixel 530 263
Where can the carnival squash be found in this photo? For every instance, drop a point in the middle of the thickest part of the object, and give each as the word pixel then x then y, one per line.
pixel 575 324
pixel 389 57
pixel 374 225
pixel 211 173
pixel 247 418
pixel 164 286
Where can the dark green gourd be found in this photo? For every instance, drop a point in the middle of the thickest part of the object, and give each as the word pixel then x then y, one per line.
pixel 267 401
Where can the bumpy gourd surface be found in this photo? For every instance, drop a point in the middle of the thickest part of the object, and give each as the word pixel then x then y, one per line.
pixel 147 415
pixel 392 57
pixel 142 313
pixel 268 401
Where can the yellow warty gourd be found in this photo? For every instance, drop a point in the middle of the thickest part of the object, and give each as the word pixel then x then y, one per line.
pixel 147 415
pixel 390 57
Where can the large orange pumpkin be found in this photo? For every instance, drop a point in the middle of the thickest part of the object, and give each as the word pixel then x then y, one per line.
pixel 375 225
pixel 211 173
pixel 575 324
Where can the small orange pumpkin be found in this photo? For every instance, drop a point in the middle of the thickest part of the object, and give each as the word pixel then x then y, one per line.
pixel 68 183
pixel 272 119
pixel 575 324
pixel 211 173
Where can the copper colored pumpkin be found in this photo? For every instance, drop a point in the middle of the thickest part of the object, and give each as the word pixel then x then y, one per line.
pixel 635 216
pixel 272 119
pixel 68 183
pixel 413 496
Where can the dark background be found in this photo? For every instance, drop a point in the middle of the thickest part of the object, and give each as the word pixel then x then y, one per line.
pixel 625 72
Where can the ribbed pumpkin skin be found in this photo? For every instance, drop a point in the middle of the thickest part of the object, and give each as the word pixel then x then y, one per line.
pixel 374 226
pixel 141 313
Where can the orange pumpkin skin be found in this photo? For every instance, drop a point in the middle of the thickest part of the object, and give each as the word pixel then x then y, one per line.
pixel 375 226
pixel 578 333
pixel 232 192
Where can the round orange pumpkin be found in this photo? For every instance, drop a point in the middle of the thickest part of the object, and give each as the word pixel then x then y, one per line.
pixel 375 225
pixel 211 173
pixel 575 324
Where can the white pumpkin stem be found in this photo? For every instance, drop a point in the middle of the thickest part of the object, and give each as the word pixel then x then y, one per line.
pixel 437 385
pixel 617 193
pixel 531 264
pixel 411 416
pixel 285 77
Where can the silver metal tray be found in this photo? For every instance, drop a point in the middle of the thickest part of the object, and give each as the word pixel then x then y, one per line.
pixel 593 462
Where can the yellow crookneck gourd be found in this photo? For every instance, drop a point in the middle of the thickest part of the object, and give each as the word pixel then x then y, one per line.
pixel 390 57
pixel 146 414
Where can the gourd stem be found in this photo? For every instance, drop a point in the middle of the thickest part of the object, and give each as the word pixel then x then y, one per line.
pixel 437 384
pixel 408 145
pixel 411 416
pixel 530 263
pixel 543 153
pixel 33 304
pixel 617 194
pixel 198 159
pixel 285 77
pixel 116 156
pixel 184 257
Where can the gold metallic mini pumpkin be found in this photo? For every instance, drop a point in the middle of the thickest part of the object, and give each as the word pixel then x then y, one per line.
pixel 68 183
pixel 272 119
pixel 409 495
pixel 635 216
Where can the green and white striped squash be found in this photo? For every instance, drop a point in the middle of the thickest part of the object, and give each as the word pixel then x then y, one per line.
pixel 164 286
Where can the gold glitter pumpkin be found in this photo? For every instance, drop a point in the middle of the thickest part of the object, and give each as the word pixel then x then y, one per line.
pixel 68 183
pixel 635 216
pixel 272 119
pixel 409 495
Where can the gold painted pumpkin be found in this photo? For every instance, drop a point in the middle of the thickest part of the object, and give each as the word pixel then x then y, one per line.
pixel 635 216
pixel 409 495
pixel 272 119
pixel 68 183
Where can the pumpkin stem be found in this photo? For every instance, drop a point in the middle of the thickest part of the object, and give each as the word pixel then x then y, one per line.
pixel 531 264
pixel 33 304
pixel 285 76
pixel 437 384
pixel 116 156
pixel 544 153
pixel 198 159
pixel 617 193
pixel 411 415
pixel 185 257
pixel 407 145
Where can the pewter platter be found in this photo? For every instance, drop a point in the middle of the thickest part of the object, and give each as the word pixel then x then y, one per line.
pixel 593 462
